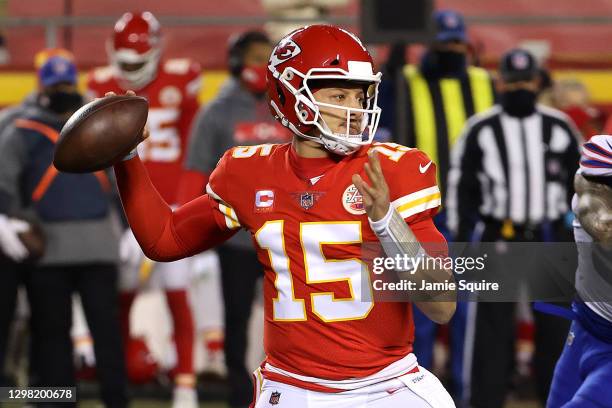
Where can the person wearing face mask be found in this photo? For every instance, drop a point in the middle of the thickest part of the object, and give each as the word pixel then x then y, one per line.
pixel 78 219
pixel 11 279
pixel 439 94
pixel 512 175
pixel 428 111
pixel 239 115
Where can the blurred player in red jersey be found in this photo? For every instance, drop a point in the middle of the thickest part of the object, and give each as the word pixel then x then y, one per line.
pixel 172 87
pixel 309 206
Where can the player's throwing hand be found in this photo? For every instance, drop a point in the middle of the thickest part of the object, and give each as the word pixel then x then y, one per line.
pixel 145 131
pixel 376 195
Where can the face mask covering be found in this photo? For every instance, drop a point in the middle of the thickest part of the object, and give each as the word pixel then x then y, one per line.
pixel 450 62
pixel 519 103
pixel 254 78
pixel 62 102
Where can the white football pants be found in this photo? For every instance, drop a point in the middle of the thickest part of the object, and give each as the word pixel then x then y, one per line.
pixel 417 390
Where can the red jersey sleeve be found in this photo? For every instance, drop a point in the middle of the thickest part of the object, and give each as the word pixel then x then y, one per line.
pixel 163 234
pixel 412 183
pixel 414 192
pixel 220 187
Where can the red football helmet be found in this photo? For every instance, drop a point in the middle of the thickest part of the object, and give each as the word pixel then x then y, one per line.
pixel 321 52
pixel 135 48
pixel 140 365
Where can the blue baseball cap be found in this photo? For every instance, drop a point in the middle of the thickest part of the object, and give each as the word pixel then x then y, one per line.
pixel 57 69
pixel 449 25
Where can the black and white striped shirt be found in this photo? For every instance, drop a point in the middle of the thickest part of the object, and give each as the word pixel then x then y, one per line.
pixel 509 168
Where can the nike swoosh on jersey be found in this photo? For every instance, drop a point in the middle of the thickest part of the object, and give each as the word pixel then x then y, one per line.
pixel 422 168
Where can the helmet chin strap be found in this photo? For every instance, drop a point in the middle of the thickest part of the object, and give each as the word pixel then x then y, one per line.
pixel 338 148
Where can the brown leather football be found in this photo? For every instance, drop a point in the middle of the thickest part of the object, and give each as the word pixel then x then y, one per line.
pixel 101 133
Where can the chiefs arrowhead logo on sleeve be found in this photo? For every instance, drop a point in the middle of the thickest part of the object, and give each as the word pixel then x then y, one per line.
pixel 284 52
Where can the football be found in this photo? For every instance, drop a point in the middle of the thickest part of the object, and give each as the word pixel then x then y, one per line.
pixel 101 133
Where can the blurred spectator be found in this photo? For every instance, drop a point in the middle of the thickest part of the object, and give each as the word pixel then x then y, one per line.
pixel 5 57
pixel 572 97
pixel 76 216
pixel 512 170
pixel 11 277
pixel 428 111
pixel 314 10
pixel 239 115
pixel 440 93
pixel 545 93
pixel 171 87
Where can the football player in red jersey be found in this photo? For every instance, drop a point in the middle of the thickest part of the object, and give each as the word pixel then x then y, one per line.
pixel 171 87
pixel 310 205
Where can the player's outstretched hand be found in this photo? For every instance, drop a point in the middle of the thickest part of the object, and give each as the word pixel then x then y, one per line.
pixel 376 195
pixel 131 93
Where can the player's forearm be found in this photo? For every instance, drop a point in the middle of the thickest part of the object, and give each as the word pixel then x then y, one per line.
pixel 192 185
pixel 148 214
pixel 594 208
pixel 438 312
pixel 437 304
pixel 398 239
pixel 163 234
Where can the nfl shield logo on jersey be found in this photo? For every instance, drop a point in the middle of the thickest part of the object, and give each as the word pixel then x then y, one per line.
pixel 275 398
pixel 306 200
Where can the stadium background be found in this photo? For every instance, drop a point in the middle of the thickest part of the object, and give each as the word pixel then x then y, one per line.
pixel 570 36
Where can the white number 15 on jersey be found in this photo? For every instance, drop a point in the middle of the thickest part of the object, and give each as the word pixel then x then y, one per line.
pixel 318 269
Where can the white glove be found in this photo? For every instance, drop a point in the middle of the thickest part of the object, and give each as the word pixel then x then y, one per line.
pixel 84 352
pixel 10 243
pixel 130 253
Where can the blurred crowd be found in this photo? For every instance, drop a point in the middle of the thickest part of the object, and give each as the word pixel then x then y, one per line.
pixel 506 144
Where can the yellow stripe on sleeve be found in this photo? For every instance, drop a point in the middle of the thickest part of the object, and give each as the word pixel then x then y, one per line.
pixel 418 201
pixel 231 219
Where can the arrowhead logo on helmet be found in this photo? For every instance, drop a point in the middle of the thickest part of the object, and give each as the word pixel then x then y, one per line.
pixel 284 52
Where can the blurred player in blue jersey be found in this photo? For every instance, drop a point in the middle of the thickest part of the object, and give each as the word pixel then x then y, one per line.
pixel 583 375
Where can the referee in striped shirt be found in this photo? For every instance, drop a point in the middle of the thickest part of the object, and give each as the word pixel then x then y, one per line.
pixel 512 172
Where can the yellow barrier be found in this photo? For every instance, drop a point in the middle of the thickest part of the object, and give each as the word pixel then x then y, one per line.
pixel 16 85
pixel 598 82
